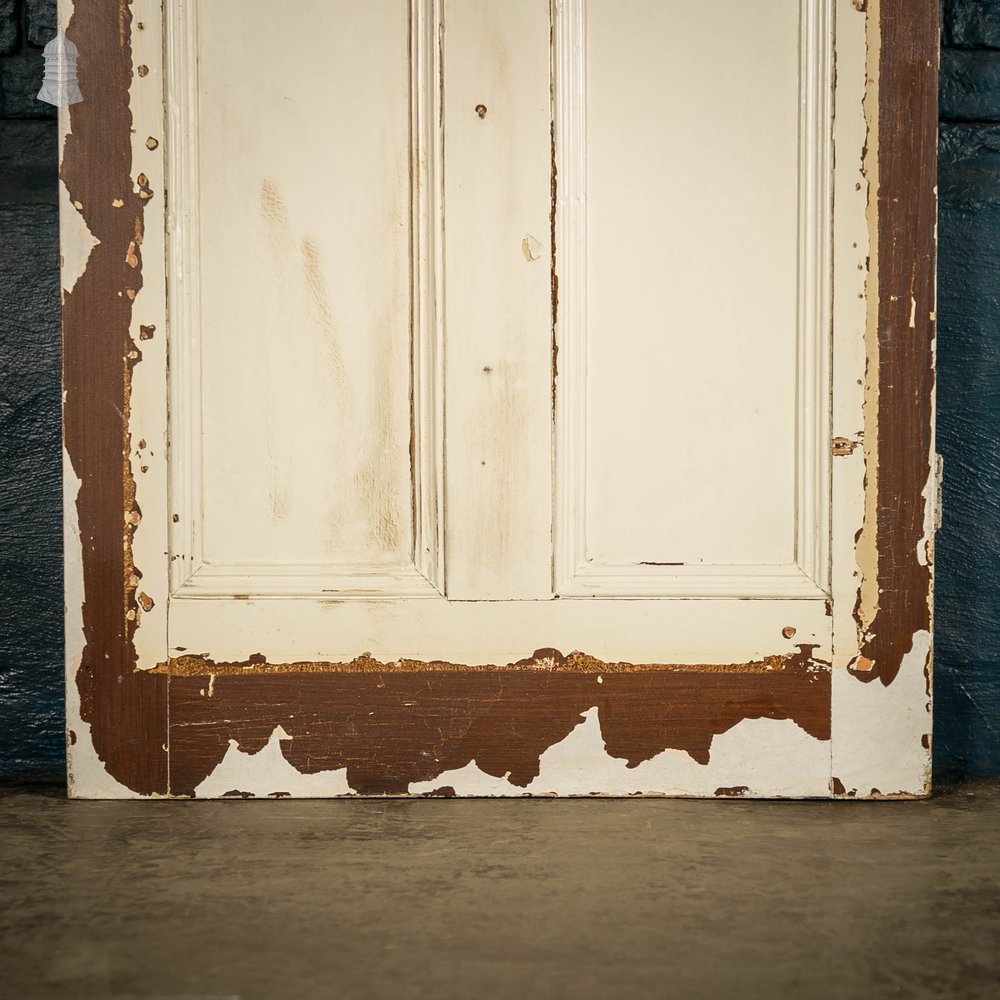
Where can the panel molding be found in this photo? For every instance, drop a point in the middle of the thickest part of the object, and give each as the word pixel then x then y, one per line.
pixel 574 575
pixel 192 573
pixel 184 478
pixel 427 300
pixel 419 722
pixel 815 305
pixel 348 580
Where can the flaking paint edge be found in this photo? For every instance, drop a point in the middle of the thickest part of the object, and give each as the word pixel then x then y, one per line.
pixel 126 715
pixel 866 551
pixel 790 763
pixel 862 710
pixel 86 776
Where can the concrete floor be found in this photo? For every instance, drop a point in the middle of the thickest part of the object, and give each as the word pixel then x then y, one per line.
pixel 483 899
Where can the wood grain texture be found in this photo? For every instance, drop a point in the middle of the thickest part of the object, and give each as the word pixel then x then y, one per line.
pixel 907 216
pixel 498 451
pixel 126 710
pixel 389 728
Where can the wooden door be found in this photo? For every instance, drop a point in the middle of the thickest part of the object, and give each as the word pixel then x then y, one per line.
pixel 497 397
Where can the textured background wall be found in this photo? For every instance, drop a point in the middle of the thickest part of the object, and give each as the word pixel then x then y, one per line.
pixel 967 684
pixel 31 703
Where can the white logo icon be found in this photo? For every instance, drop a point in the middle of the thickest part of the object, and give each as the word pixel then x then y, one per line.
pixel 60 87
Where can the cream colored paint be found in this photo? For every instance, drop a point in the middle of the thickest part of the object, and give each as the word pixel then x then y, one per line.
pixel 482 333
pixel 148 426
pixel 867 554
pixel 267 774
pixel 879 732
pixel 497 473
pixel 497 309
pixel 854 256
pixel 735 502
pixel 691 285
pixel 76 241
pixel 479 302
pixel 289 630
pixel 303 240
pixel 787 763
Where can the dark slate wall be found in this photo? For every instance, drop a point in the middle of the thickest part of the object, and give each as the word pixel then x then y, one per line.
pixel 967 683
pixel 31 607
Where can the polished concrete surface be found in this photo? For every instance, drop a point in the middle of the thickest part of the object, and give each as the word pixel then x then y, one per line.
pixel 483 899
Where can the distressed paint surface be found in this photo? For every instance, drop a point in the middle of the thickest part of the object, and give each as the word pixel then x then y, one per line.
pixel 126 711
pixel 786 763
pixel 390 727
pixel 884 698
pixel 390 731
pixel 903 381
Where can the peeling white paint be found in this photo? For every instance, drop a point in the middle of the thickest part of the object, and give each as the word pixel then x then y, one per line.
pixel 767 756
pixel 76 241
pixel 148 400
pixel 855 264
pixel 929 494
pixel 877 730
pixel 770 758
pixel 85 774
pixel 267 773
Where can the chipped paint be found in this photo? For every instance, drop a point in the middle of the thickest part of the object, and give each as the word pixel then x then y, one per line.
pixel 787 763
pixel 866 549
pixel 76 242
pixel 267 774
pixel 97 375
pixel 864 758
pixel 895 595
pixel 531 248
pixel 392 727
pixel 549 724
pixel 202 664
pixel 932 506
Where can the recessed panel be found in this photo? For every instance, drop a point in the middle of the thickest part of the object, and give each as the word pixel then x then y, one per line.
pixel 303 244
pixel 692 275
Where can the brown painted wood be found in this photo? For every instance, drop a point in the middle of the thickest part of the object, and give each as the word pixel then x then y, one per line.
pixel 126 710
pixel 389 728
pixel 907 217
pixel 503 718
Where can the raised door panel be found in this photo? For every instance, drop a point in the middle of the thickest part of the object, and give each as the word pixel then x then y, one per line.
pixel 467 342
pixel 694 327
pixel 294 282
pixel 473 383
